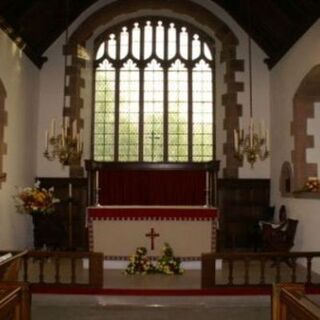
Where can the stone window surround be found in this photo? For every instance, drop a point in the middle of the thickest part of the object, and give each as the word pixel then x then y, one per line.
pixel 3 124
pixel 228 40
pixel 303 109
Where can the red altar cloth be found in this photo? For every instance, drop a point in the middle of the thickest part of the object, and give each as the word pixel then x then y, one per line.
pixel 151 213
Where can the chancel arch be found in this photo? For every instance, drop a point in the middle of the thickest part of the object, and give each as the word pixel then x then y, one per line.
pixel 3 123
pixel 305 100
pixel 202 17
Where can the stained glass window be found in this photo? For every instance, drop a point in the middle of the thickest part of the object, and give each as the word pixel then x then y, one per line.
pixel 154 93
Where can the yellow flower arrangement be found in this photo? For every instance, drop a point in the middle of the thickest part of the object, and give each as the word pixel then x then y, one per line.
pixel 167 264
pixel 35 199
pixel 312 184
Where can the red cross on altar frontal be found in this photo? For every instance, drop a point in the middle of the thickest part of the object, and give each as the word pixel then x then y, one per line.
pixel 152 235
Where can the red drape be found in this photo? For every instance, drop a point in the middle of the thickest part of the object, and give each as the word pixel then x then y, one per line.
pixel 149 187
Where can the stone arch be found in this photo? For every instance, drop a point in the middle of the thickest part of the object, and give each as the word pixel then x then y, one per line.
pixel 307 94
pixel 181 8
pixel 3 124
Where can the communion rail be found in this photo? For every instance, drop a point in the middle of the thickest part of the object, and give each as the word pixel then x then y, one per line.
pixel 259 269
pixel 290 302
pixel 62 269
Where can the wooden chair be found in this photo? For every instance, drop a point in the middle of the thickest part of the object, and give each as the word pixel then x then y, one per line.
pixel 280 239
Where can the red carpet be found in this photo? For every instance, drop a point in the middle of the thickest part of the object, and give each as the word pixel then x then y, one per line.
pixel 156 292
pixel 265 290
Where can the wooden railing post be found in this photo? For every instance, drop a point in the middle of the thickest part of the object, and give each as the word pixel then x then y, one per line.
pixel 96 270
pixel 25 302
pixel 208 270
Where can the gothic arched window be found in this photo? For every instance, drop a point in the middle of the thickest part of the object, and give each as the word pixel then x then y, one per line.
pixel 154 93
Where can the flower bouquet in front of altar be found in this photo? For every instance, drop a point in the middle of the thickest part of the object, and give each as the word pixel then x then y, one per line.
pixel 168 263
pixel 35 200
pixel 140 263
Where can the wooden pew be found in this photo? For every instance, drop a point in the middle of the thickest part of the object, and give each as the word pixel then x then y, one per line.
pixel 9 268
pixel 15 298
pixel 290 302
pixel 14 301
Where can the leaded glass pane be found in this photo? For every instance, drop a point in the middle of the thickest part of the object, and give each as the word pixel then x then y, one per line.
pixel 160 40
pixel 104 112
pixel 147 40
pixel 207 52
pixel 202 119
pixel 172 44
pixel 129 112
pixel 112 46
pixel 153 113
pixel 184 43
pixel 136 40
pixel 100 51
pixel 124 43
pixel 196 49
pixel 178 112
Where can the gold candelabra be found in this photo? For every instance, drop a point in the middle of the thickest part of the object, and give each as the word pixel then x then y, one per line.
pixel 66 146
pixel 253 145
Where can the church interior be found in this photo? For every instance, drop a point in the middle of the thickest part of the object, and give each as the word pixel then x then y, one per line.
pixel 176 138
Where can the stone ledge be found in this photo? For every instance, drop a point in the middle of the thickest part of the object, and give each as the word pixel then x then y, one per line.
pixel 306 195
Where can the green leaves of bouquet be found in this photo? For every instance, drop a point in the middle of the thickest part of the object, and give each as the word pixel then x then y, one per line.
pixel 166 264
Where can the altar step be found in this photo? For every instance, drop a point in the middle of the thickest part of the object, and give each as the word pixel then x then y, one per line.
pixel 183 293
pixel 147 300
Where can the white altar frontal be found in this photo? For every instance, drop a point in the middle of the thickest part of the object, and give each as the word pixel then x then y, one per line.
pixel 117 231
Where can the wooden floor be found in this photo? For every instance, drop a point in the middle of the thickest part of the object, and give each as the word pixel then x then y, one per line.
pixel 191 279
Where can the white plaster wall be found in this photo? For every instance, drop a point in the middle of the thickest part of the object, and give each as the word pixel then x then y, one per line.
pixel 20 78
pixel 285 79
pixel 51 86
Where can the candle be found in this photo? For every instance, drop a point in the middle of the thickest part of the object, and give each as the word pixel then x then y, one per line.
pixel 78 142
pixel 62 136
pixel 80 138
pixel 251 132
pixel 262 128
pixel 97 180
pixel 53 128
pixel 46 140
pixel 74 129
pixel 70 190
pixel 66 122
pixel 235 140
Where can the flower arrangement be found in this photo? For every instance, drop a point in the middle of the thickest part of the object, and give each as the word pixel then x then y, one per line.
pixel 140 263
pixel 312 185
pixel 166 264
pixel 35 199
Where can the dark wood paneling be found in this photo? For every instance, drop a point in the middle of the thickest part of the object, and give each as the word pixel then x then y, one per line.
pixel 242 203
pixel 68 224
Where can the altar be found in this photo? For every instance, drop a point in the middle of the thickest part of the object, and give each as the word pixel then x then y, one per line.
pixel 118 230
pixel 149 204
